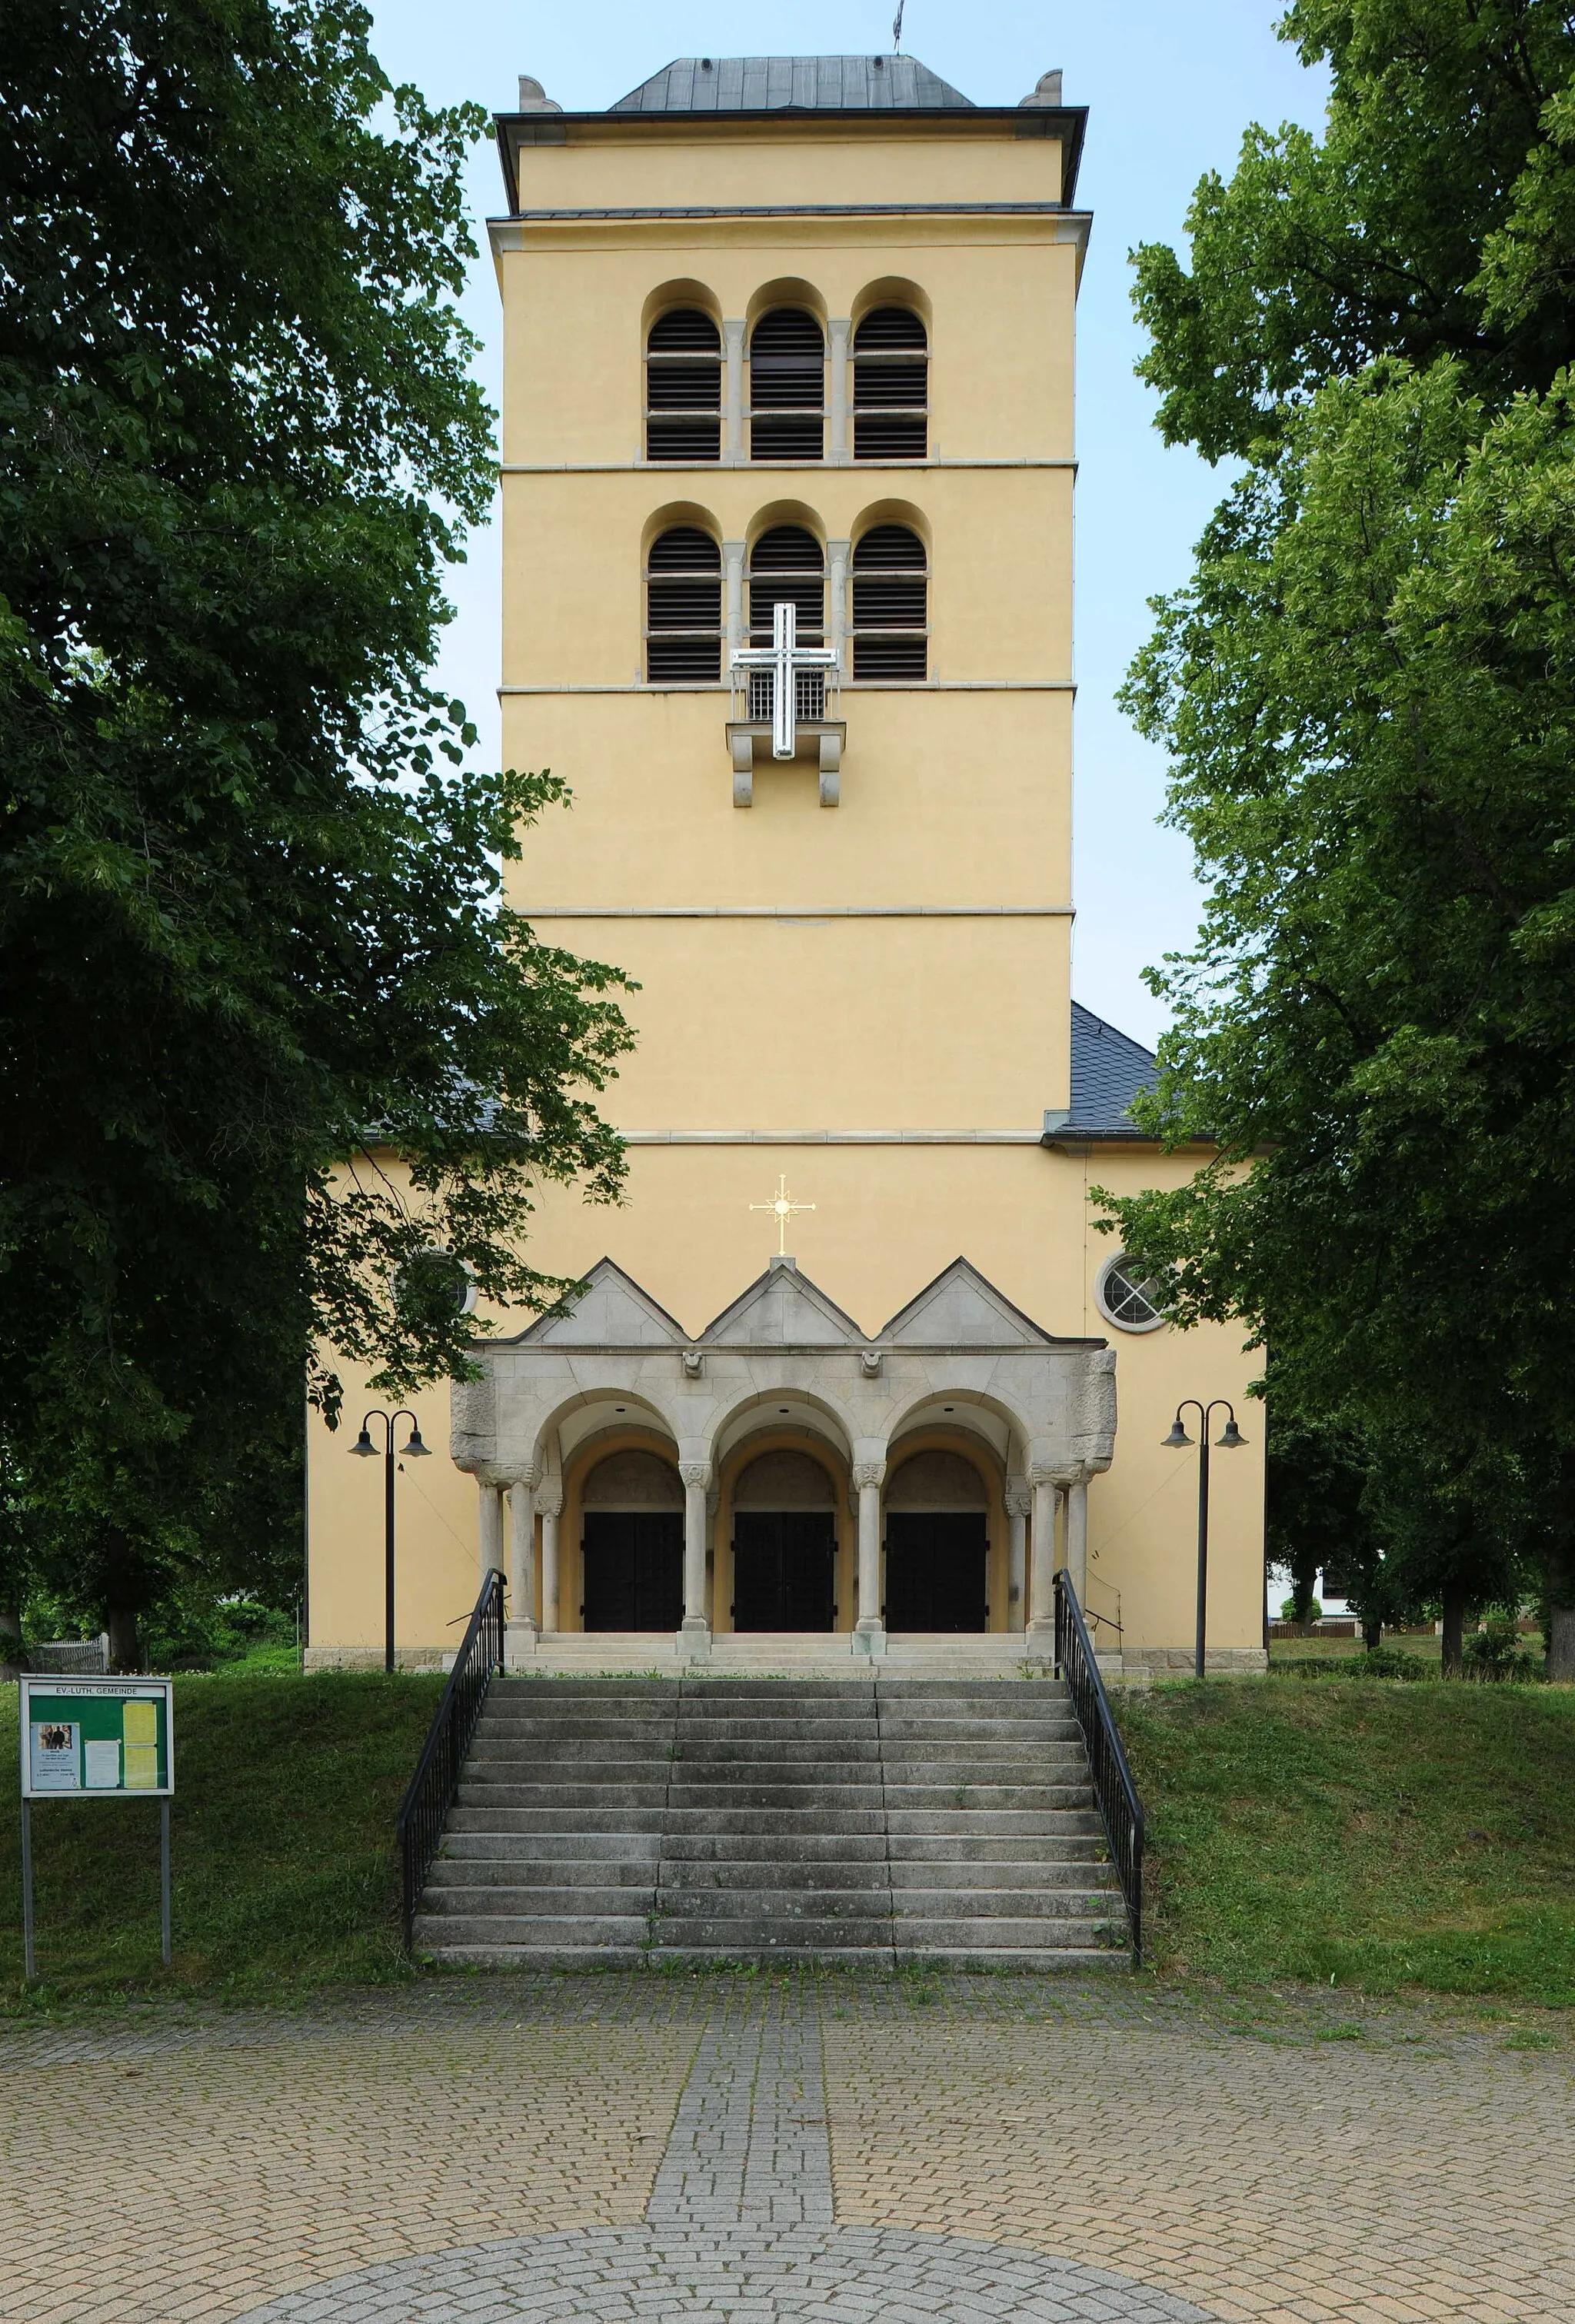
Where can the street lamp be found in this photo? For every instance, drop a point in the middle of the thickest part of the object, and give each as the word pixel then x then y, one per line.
pixel 1229 1437
pixel 365 1449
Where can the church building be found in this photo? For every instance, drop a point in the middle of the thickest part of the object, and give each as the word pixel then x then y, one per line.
pixel 788 490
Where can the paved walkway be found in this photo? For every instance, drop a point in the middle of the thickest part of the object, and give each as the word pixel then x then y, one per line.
pixel 859 2151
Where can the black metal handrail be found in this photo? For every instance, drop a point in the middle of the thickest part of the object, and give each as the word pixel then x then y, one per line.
pixel 434 1785
pixel 1115 1793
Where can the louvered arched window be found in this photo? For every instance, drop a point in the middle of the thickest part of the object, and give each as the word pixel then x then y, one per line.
pixel 683 387
pixel 788 567
pixel 891 604
pixel 891 386
pixel 787 387
pixel 683 607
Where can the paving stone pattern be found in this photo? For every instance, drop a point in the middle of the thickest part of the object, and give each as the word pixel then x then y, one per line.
pixel 629 2146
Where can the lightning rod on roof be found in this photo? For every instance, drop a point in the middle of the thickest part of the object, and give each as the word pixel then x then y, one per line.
pixel 896 27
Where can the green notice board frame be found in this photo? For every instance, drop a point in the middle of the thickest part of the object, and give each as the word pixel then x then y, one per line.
pixel 96 1739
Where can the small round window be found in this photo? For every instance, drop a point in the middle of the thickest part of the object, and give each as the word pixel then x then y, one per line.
pixel 1129 1298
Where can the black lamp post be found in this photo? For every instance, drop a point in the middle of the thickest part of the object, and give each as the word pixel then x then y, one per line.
pixel 1229 1438
pixel 365 1449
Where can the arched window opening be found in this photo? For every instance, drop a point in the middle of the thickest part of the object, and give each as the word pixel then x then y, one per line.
pixel 682 608
pixel 787 387
pixel 891 604
pixel 683 387
pixel 891 386
pixel 788 568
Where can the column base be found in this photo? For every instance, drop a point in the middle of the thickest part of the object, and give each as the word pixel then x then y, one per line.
pixel 869 1640
pixel 1039 1642
pixel 694 1638
pixel 520 1640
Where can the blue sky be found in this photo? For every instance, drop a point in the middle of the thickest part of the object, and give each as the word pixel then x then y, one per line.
pixel 1171 88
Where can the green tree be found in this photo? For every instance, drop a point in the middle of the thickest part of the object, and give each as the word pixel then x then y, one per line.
pixel 1367 693
pixel 250 928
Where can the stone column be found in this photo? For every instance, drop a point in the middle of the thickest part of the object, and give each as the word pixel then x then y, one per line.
pixel 837 557
pixel 837 449
pixel 490 1544
pixel 1017 1498
pixel 1077 1539
pixel 732 392
pixel 694 1638
pixel 732 566
pixel 549 1502
pixel 521 1640
pixel 870 1630
pixel 1041 1625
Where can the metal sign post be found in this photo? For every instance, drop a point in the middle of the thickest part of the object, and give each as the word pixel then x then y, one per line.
pixel 103 1739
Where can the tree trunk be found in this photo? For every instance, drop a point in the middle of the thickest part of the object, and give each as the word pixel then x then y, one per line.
pixel 1561 1579
pixel 1454 1629
pixel 121 1601
pixel 10 1644
pixel 1372 1633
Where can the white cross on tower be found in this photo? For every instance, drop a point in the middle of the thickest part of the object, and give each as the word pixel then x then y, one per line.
pixel 784 657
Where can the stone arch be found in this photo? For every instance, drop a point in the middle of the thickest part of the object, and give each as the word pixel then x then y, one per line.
pixel 785 1477
pixel 631 1479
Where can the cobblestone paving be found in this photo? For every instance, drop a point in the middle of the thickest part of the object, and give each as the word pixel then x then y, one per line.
pixel 654 2147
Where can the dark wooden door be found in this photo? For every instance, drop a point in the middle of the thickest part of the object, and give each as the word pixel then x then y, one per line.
pixel 784 1569
pixel 634 1569
pixel 934 1570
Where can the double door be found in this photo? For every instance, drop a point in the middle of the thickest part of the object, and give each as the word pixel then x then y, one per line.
pixel 784 1570
pixel 935 1570
pixel 634 1569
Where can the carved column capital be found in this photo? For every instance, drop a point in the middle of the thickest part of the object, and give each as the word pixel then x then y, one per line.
pixel 1017 1496
pixel 549 1497
pixel 696 1472
pixel 527 1474
pixel 868 1475
pixel 1062 1474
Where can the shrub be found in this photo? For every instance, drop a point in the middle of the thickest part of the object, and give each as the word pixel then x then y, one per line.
pixel 1495 1654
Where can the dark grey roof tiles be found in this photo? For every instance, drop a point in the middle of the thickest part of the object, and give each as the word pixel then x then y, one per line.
pixel 1108 1070
pixel 798 83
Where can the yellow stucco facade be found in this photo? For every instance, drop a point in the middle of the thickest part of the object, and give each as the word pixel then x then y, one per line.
pixel 868 994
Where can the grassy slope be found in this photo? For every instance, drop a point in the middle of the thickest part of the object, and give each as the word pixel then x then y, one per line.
pixel 281 1831
pixel 1377 1836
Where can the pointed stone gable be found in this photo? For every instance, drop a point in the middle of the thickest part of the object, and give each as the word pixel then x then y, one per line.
pixel 615 1313
pixel 962 1309
pixel 783 1309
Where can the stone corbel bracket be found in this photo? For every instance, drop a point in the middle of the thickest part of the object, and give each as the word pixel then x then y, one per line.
pixel 823 738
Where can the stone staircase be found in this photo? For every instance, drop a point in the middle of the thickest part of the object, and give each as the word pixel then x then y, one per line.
pixel 873 1820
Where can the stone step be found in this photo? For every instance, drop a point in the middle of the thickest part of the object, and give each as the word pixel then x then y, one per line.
pixel 801 1799
pixel 772 1904
pixel 580 1931
pixel 958 1841
pixel 494 1815
pixel 945 1903
pixel 771 1729
pixel 1051 1873
pixel 469 1872
pixel 750 1875
pixel 481 1788
pixel 983 1935
pixel 641 1847
pixel 983 1730
pixel 591 1905
pixel 811 1846
pixel 902 1823
pixel 746 1936
pixel 1057 1764
pixel 968 1690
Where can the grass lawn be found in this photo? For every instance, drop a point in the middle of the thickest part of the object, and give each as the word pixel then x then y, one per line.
pixel 280 1844
pixel 1426 1649
pixel 1375 1835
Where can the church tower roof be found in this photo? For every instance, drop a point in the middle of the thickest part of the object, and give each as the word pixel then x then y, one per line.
pixel 793 84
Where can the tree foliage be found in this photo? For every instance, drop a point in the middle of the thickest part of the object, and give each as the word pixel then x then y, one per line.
pixel 251 938
pixel 1368 694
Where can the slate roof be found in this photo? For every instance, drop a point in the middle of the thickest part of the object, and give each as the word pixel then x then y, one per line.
pixel 798 84
pixel 1108 1070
